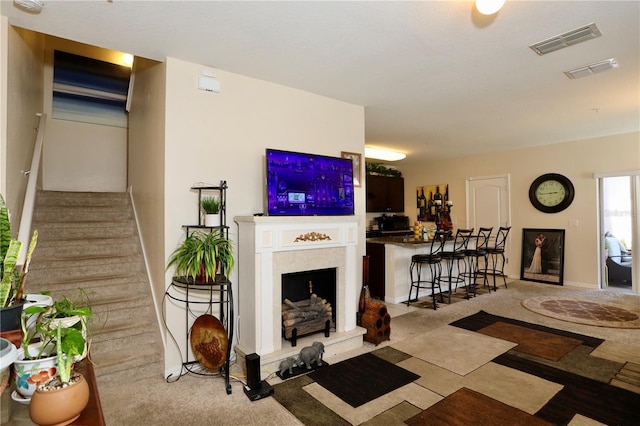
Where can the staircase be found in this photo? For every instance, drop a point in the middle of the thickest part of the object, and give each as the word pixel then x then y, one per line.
pixel 89 241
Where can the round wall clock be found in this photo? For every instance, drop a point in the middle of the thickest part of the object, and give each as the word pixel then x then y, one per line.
pixel 551 193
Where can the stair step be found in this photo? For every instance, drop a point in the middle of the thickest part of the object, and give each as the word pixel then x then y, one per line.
pixel 89 242
pixel 79 199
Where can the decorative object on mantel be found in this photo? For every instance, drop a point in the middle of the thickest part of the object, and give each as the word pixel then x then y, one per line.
pixel 379 169
pixel 312 236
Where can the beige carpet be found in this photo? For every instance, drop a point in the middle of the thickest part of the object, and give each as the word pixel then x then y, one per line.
pixel 203 401
pixel 617 311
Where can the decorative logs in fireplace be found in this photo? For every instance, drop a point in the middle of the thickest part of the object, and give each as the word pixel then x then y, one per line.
pixel 377 321
pixel 305 317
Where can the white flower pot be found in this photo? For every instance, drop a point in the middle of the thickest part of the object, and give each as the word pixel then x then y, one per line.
pixel 212 219
pixel 31 373
pixel 41 300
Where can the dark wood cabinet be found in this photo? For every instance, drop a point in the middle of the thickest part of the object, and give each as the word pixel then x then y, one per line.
pixel 375 252
pixel 385 194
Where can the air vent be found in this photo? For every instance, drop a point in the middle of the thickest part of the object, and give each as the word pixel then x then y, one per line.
pixel 607 64
pixel 567 39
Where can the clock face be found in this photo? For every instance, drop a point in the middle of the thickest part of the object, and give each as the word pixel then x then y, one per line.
pixel 551 193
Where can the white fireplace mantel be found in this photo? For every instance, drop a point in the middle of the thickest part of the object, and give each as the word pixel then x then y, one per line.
pixel 271 246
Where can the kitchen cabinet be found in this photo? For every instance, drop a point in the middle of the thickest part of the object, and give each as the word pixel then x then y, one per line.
pixel 385 194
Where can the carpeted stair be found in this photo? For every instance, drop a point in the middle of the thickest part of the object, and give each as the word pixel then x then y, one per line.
pixel 88 242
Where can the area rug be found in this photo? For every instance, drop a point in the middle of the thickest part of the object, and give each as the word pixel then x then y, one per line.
pixel 467 407
pixel 578 310
pixel 363 378
pixel 519 384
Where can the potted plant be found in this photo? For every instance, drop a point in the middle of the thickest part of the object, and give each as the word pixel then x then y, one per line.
pixel 13 279
pixel 203 257
pixel 62 399
pixel 39 362
pixel 211 207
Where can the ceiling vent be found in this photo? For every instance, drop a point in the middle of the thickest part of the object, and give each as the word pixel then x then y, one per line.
pixel 567 39
pixel 607 64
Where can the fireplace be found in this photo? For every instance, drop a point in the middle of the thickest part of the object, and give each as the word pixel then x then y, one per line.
pixel 273 247
pixel 308 301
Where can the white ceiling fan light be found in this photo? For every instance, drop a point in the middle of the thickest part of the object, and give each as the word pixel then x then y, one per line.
pixel 34 6
pixel 489 7
pixel 383 154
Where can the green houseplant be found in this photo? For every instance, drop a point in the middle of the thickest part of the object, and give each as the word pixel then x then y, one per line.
pixel 211 207
pixel 203 256
pixel 62 335
pixel 12 278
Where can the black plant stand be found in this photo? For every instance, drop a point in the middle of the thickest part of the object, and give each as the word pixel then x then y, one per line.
pixel 217 294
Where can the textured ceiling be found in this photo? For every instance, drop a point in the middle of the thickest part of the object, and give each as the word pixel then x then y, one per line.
pixel 437 79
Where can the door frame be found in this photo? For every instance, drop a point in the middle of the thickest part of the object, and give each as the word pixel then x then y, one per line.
pixel 634 175
pixel 507 178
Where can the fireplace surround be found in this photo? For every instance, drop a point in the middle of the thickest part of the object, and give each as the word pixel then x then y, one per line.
pixel 269 247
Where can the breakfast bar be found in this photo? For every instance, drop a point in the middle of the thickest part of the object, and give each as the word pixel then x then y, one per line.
pixel 397 258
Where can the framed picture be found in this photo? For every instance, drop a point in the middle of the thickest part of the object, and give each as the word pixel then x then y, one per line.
pixel 357 166
pixel 542 255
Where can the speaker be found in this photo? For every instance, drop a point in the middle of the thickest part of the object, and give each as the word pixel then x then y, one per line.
pixel 253 371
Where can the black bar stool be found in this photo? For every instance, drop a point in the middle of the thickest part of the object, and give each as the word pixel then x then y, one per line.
pixel 455 256
pixel 473 256
pixel 432 261
pixel 496 253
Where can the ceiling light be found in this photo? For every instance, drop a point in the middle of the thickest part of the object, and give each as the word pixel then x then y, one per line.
pixel 489 7
pixel 34 6
pixel 383 154
pixel 127 59
pixel 607 64
pixel 567 39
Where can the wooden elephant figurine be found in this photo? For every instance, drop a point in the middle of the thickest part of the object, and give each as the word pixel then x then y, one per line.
pixel 311 354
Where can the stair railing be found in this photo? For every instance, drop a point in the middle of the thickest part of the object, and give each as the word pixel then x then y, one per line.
pixel 24 232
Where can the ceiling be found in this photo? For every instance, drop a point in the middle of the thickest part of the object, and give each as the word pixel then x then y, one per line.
pixel 437 79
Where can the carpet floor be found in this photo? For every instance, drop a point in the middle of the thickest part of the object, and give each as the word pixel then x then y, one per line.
pixel 492 370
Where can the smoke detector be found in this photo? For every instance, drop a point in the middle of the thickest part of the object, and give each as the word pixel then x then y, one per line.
pixel 605 65
pixel 567 39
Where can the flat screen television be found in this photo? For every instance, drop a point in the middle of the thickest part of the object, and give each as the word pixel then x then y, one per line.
pixel 300 184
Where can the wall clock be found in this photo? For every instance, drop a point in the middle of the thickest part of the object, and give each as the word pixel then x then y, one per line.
pixel 551 193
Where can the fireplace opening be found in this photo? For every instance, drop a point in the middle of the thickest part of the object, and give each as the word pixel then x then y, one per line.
pixel 308 303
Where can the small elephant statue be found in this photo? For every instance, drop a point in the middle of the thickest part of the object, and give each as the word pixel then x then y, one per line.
pixel 311 354
pixel 287 365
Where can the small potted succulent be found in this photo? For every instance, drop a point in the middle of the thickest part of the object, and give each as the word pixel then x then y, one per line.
pixel 211 207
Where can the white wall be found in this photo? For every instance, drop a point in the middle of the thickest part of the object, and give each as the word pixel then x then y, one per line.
pixel 577 160
pixel 81 156
pixel 24 98
pixel 211 137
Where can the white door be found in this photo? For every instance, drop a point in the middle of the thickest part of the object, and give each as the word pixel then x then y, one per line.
pixel 488 205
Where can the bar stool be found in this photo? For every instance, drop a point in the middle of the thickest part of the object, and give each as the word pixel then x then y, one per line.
pixel 496 253
pixel 432 261
pixel 473 256
pixel 456 256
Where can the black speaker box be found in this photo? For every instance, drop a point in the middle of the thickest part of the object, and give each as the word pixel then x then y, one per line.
pixel 253 371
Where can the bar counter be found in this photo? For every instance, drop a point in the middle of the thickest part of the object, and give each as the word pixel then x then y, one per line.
pixel 397 258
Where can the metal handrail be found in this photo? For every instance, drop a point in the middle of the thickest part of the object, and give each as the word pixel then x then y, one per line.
pixel 24 232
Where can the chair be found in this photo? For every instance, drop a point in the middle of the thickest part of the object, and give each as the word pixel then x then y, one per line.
pixel 456 257
pixel 618 261
pixel 473 256
pixel 429 260
pixel 496 255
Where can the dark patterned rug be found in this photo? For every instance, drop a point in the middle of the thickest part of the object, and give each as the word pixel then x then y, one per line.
pixel 584 385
